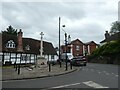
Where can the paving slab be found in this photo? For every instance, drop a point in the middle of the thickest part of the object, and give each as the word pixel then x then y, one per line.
pixel 9 73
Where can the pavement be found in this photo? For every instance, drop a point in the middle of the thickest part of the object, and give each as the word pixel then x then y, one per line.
pixel 41 71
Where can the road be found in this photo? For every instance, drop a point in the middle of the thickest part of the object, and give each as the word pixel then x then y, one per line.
pixel 91 76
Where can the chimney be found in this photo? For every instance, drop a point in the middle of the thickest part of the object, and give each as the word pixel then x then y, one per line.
pixel 0 42
pixel 20 44
pixel 107 35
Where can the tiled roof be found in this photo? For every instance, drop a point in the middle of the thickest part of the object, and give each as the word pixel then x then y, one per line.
pixel 48 49
pixel 113 37
pixel 33 43
pixel 87 43
pixel 76 40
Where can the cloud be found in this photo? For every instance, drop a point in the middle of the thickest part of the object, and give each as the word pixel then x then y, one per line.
pixel 84 20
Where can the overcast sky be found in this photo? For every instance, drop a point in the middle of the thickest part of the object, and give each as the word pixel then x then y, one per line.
pixel 86 20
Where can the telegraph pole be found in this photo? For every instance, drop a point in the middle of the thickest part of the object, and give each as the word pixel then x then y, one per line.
pixel 59 44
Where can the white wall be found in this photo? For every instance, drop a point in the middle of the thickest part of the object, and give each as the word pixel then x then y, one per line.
pixel 13 58
pixel 50 57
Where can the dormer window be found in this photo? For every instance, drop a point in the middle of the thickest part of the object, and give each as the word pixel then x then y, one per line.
pixel 10 44
pixel 27 47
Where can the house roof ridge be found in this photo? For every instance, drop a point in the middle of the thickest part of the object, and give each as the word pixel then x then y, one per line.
pixel 36 40
pixel 76 40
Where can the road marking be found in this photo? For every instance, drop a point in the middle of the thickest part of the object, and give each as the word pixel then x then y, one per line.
pixel 112 73
pixel 99 72
pixel 92 69
pixel 94 85
pixel 107 73
pixel 115 74
pixel 104 71
pixel 62 86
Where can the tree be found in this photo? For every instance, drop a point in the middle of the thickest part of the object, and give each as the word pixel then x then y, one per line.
pixel 115 27
pixel 10 30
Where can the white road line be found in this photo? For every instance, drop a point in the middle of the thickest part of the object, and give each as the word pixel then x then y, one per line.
pixel 62 86
pixel 104 71
pixel 94 85
pixel 107 73
pixel 116 75
pixel 92 69
pixel 112 73
pixel 99 72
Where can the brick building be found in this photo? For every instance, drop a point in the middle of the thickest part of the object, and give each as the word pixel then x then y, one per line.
pixel 78 48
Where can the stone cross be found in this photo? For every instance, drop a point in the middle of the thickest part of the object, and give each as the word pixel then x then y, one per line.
pixel 41 44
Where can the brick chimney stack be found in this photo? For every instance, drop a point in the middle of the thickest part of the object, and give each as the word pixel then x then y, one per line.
pixel 20 44
pixel 107 35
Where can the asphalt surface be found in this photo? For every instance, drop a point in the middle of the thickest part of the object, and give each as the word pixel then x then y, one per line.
pixel 91 76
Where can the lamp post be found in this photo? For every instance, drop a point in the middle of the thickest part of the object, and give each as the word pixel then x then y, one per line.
pixel 59 44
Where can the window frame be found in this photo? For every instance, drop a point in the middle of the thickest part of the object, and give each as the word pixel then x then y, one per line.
pixel 10 44
pixel 77 47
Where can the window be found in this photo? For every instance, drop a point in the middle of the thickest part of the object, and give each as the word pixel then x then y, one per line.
pixel 27 47
pixel 68 49
pixel 10 44
pixel 77 47
pixel 52 56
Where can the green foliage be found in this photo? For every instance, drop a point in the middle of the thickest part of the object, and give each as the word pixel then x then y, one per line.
pixel 10 30
pixel 112 48
pixel 115 27
pixel 107 49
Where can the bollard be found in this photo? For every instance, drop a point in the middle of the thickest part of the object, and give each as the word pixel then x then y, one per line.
pixel 16 67
pixel 66 66
pixel 49 67
pixel 70 65
pixel 60 63
pixel 19 69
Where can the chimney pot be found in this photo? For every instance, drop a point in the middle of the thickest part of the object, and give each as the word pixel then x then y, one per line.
pixel 107 35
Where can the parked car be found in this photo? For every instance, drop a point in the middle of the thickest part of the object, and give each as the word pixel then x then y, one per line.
pixel 80 60
pixel 69 57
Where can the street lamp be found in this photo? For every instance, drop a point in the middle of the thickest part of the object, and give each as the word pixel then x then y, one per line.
pixel 66 43
pixel 59 44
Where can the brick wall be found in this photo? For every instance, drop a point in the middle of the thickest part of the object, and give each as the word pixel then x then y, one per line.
pixel 20 42
pixel 92 47
pixel 77 49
